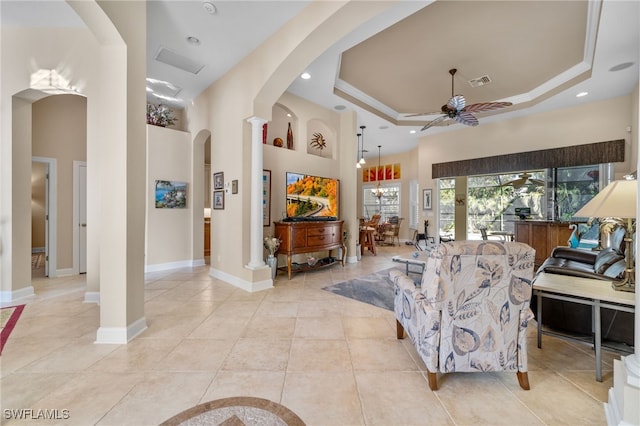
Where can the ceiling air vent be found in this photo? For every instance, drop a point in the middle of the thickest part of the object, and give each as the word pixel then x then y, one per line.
pixel 480 81
pixel 174 59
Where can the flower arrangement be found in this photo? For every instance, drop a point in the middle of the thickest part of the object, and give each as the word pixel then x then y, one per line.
pixel 160 115
pixel 272 244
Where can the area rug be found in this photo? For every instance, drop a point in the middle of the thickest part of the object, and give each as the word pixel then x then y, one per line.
pixel 375 289
pixel 236 411
pixel 8 319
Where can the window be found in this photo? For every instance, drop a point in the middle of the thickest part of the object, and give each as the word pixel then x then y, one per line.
pixel 574 187
pixel 447 195
pixel 387 205
pixel 494 202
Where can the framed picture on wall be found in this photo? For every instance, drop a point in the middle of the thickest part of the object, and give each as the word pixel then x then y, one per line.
pixel 218 180
pixel 266 197
pixel 426 199
pixel 218 200
pixel 170 194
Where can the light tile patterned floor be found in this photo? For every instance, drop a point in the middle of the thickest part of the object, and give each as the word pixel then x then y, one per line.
pixel 332 360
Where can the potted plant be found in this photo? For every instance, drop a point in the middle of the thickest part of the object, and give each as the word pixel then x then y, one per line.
pixel 160 115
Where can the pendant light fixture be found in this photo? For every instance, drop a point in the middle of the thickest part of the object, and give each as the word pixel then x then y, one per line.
pixel 362 151
pixel 378 193
pixel 358 166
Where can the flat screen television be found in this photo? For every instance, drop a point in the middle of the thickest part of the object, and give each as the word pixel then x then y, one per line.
pixel 312 197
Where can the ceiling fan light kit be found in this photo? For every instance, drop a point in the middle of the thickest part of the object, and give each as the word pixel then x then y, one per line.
pixel 458 110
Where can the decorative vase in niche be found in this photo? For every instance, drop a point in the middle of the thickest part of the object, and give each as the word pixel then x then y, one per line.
pixel 277 142
pixel 289 137
pixel 264 133
pixel 272 261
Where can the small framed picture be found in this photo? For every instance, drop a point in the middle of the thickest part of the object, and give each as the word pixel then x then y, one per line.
pixel 426 199
pixel 218 200
pixel 218 180
pixel 234 186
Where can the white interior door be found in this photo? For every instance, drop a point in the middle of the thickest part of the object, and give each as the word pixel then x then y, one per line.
pixel 82 219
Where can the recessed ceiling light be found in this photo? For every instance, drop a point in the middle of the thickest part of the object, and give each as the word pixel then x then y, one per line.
pixel 193 40
pixel 621 66
pixel 305 76
pixel 412 131
pixel 581 94
pixel 209 7
pixel 339 107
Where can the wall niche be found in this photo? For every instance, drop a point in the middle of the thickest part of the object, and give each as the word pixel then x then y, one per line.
pixel 321 139
pixel 282 130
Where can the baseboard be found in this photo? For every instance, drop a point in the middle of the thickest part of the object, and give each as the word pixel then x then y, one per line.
pixel 67 272
pixel 91 297
pixel 121 335
pixel 170 265
pixel 198 262
pixel 240 283
pixel 12 296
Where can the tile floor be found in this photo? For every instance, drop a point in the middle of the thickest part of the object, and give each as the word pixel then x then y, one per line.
pixel 332 360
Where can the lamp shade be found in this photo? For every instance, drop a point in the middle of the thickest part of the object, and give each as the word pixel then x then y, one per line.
pixel 618 199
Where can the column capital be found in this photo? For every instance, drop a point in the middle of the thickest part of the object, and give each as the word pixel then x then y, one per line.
pixel 256 121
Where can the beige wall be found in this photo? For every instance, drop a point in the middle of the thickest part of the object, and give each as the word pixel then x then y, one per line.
pixel 60 132
pixel 73 53
pixel 168 231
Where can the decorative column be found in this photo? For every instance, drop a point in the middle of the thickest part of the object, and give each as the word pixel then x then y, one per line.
pixel 255 260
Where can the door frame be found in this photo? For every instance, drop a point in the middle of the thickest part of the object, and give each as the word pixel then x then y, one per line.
pixel 76 214
pixel 51 240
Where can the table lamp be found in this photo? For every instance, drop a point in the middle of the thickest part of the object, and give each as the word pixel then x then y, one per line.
pixel 618 199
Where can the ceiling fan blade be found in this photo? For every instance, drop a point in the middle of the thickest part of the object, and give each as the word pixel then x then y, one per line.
pixel 457 103
pixel 466 118
pixel 486 106
pixel 423 113
pixel 434 122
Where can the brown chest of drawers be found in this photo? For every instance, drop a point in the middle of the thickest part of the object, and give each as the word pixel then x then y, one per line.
pixel 309 237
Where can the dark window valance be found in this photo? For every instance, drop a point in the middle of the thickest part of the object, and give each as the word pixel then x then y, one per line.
pixel 568 156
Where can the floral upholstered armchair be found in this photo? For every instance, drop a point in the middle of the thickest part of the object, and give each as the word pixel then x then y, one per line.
pixel 472 308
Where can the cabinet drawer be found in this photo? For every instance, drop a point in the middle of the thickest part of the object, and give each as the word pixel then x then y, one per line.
pixel 321 231
pixel 319 240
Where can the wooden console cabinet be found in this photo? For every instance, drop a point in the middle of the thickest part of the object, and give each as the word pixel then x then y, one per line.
pixel 309 237
pixel 543 236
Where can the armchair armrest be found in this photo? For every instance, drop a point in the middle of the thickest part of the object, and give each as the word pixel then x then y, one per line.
pixel 577 255
pixel 561 270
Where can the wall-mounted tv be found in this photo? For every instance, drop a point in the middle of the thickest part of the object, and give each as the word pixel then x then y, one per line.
pixel 312 197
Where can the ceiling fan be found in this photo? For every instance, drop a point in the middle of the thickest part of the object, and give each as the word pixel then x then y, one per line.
pixel 458 110
pixel 522 180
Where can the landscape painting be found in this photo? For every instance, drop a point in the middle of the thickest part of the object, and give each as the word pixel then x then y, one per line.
pixel 171 194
